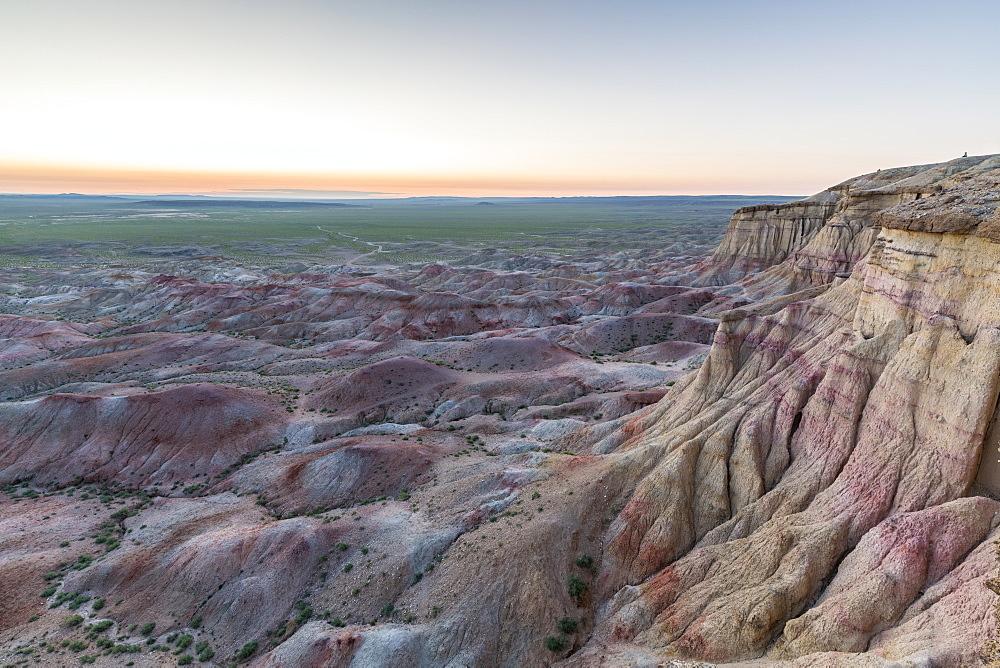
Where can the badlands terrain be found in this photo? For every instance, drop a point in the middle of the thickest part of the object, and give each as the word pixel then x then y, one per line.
pixel 618 450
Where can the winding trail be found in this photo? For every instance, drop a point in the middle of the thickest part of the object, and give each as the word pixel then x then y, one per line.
pixel 378 247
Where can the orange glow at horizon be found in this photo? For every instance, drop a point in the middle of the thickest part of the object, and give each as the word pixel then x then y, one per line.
pixel 514 98
pixel 43 179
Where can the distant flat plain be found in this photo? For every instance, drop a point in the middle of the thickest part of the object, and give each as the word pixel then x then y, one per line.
pixel 81 230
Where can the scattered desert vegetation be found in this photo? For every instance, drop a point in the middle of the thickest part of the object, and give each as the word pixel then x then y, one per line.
pixel 318 436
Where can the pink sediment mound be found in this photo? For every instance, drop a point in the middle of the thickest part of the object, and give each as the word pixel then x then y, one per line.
pixel 25 340
pixel 341 475
pixel 213 559
pixel 138 440
pixel 393 380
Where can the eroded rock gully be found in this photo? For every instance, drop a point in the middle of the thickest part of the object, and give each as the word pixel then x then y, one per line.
pixel 464 472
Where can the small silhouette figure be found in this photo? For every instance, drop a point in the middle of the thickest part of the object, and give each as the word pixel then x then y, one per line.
pixel 965 155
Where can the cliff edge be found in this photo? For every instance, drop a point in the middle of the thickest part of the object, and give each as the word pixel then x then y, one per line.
pixel 808 491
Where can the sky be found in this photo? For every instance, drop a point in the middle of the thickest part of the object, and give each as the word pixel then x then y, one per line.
pixel 374 98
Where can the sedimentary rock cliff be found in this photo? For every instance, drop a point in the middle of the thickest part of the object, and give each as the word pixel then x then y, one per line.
pixel 785 248
pixel 807 490
pixel 761 236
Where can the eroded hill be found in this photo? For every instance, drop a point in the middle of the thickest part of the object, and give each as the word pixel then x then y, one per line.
pixel 770 454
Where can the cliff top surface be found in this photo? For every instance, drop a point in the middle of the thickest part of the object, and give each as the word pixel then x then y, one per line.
pixel 923 179
pixel 964 199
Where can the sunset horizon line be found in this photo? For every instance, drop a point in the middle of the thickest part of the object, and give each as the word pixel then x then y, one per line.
pixel 735 177
pixel 43 180
pixel 386 197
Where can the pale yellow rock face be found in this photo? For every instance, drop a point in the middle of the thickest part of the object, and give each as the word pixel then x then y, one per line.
pixel 804 496
pixel 789 247
pixel 913 275
pixel 760 236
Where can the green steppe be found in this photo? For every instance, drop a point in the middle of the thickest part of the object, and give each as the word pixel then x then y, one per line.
pixel 61 231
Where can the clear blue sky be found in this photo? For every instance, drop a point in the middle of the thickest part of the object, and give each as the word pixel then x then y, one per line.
pixel 511 97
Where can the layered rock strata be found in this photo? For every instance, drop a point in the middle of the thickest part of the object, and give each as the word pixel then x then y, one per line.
pixel 824 236
pixel 807 487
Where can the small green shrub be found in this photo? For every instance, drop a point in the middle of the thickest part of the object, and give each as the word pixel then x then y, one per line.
pixel 585 561
pixel 72 620
pixel 184 660
pixel 204 650
pixel 567 625
pixel 246 651
pixel 147 629
pixel 304 615
pixel 125 649
pixel 77 601
pixel 577 587
pixel 556 643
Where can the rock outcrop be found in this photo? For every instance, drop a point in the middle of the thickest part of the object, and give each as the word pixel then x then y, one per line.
pixel 781 249
pixel 829 440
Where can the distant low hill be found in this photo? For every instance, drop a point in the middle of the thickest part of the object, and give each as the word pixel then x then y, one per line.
pixel 59 197
pixel 239 203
